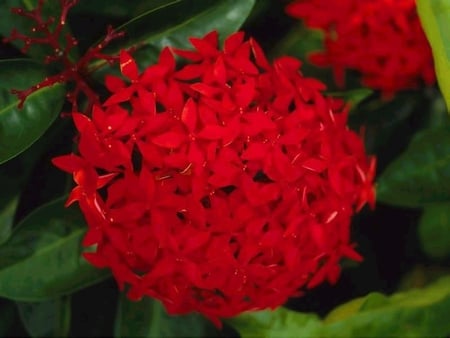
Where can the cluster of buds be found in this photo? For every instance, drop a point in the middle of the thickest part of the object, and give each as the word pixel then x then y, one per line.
pixel 50 32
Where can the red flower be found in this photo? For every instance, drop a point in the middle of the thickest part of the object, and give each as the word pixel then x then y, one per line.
pixel 382 39
pixel 222 186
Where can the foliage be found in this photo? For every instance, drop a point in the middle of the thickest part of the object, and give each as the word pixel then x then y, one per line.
pixel 47 288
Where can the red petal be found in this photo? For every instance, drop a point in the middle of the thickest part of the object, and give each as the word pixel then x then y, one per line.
pixel 120 96
pixel 244 93
pixel 315 164
pixel 260 58
pixel 114 83
pixel 69 163
pixel 204 89
pixel 166 59
pixel 171 139
pixel 233 42
pixel 219 71
pixel 211 132
pixel 147 101
pixel 255 151
pixel 189 115
pixel 81 121
pixel 128 66
pixel 95 259
pixel 207 45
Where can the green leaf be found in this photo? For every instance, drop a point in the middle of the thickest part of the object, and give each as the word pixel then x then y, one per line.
pixel 6 218
pixel 7 316
pixel 42 259
pixel 353 96
pixel 421 175
pixel 46 319
pixel 279 323
pixel 148 318
pixel 415 313
pixel 20 128
pixel 174 22
pixel 435 15
pixel 434 230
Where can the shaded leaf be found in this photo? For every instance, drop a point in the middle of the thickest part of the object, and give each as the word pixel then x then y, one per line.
pixel 42 259
pixel 7 316
pixel 6 218
pixel 415 313
pixel 46 319
pixel 120 8
pixel 148 318
pixel 435 16
pixel 421 175
pixel 20 128
pixel 434 230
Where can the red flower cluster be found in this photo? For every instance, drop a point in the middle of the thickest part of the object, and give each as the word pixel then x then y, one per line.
pixel 382 39
pixel 221 186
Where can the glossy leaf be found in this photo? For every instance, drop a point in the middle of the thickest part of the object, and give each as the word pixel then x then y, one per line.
pixel 174 22
pixel 46 319
pixel 148 318
pixel 434 230
pixel 435 15
pixel 42 259
pixel 20 128
pixel 415 313
pixel 421 175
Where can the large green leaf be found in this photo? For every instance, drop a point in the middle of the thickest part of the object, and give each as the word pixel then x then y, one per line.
pixel 435 16
pixel 415 313
pixel 42 259
pixel 434 230
pixel 174 22
pixel 46 319
pixel 148 318
pixel 20 128
pixel 421 175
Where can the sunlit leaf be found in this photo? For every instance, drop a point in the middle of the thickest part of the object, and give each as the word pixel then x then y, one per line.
pixel 414 313
pixel 435 16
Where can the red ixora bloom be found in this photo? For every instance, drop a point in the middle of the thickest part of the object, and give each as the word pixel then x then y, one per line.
pixel 221 186
pixel 381 39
